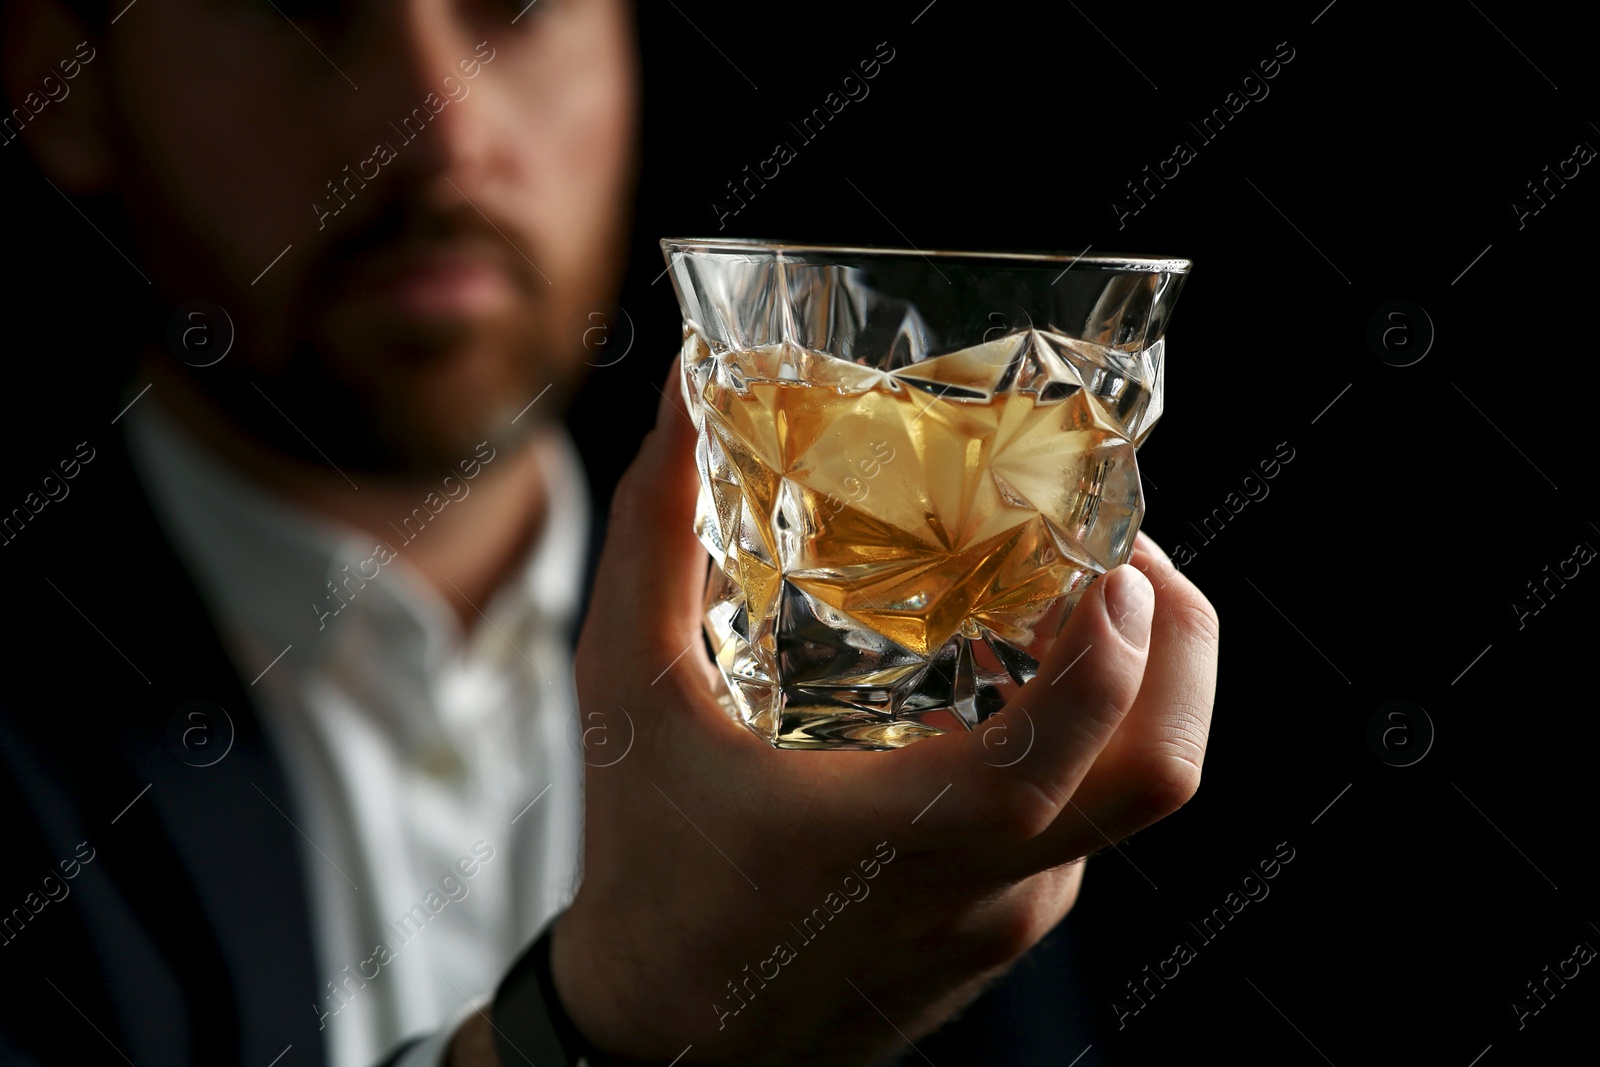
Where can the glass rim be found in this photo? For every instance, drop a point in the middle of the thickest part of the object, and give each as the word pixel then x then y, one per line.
pixel 1108 262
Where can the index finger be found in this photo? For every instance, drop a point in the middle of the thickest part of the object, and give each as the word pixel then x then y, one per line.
pixel 956 790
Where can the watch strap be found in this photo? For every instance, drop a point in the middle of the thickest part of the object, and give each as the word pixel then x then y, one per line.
pixel 531 1025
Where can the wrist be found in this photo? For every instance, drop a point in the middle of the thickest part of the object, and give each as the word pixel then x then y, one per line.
pixel 594 1016
pixel 530 1021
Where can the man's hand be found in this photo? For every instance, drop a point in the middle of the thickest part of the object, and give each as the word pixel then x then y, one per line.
pixel 822 907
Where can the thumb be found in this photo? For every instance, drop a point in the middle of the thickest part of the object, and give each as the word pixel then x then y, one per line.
pixel 649 582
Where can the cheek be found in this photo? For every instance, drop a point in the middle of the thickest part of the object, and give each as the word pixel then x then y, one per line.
pixel 596 163
pixel 575 161
pixel 579 150
pixel 213 192
pixel 600 132
pixel 217 154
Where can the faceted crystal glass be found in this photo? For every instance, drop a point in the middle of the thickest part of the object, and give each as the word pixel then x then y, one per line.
pixel 912 465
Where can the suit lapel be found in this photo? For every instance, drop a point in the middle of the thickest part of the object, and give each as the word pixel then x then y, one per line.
pixel 150 745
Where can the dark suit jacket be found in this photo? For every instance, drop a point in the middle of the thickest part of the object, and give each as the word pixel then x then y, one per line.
pixel 155 909
pixel 186 938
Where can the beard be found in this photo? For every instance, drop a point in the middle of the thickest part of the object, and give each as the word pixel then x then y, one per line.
pixel 346 380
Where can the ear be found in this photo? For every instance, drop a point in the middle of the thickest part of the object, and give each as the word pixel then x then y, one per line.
pixel 54 80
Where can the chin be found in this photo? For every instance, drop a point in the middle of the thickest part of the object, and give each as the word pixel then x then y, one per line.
pixel 410 407
pixel 435 421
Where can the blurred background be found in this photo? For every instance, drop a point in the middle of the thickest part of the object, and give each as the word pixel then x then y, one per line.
pixel 1441 859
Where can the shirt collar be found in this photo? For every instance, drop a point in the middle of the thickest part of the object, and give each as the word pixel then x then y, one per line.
pixel 286 582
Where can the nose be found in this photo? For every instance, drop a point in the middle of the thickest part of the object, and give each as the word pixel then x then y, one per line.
pixel 424 95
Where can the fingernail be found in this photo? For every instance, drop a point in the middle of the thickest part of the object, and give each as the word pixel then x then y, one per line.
pixel 1129 598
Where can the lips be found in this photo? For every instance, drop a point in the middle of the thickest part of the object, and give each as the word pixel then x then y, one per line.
pixel 440 282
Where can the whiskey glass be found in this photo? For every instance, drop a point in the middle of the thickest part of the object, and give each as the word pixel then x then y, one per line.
pixel 912 466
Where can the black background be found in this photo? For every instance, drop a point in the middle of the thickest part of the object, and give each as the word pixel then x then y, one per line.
pixel 1385 561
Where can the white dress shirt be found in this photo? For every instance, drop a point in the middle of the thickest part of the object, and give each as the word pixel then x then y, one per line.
pixel 435 773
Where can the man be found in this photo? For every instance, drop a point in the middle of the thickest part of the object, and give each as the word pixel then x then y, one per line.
pixel 352 545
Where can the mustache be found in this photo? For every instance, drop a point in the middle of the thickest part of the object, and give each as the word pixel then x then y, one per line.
pixel 406 225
